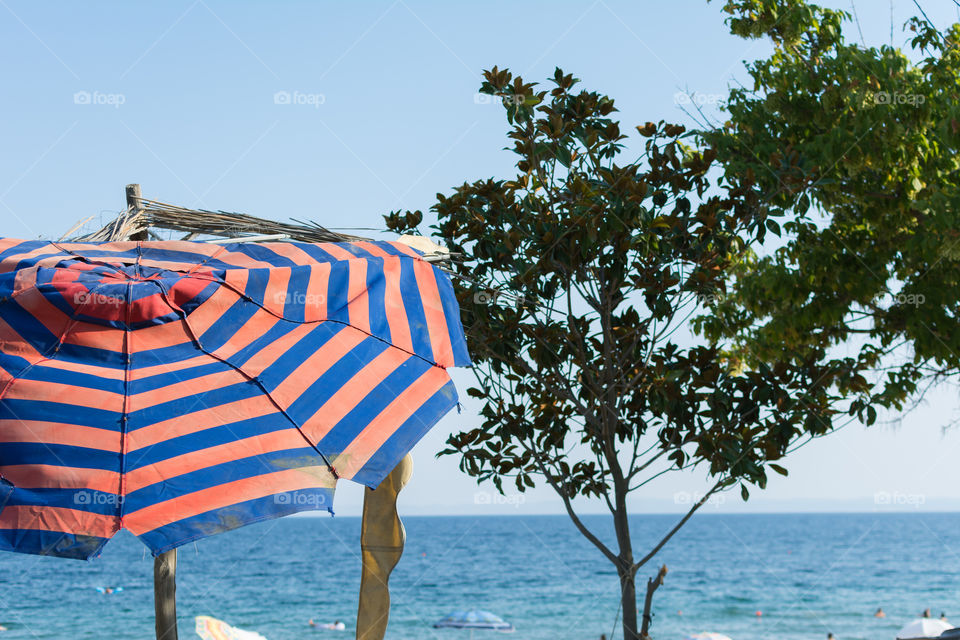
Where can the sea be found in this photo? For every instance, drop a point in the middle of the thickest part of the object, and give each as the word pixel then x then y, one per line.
pixel 777 576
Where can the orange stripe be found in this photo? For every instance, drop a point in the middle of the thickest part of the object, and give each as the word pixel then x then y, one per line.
pixel 13 344
pixel 316 308
pixel 293 252
pixel 199 420
pixel 275 293
pixel 265 358
pixel 258 325
pixel 358 305
pixel 393 306
pixel 58 519
pixel 373 250
pixel 352 392
pixel 184 389
pixel 202 459
pixel 160 369
pixel 43 476
pixel 316 365
pixel 433 310
pixel 369 441
pixel 104 373
pixel 224 495
pixel 42 391
pixel 60 434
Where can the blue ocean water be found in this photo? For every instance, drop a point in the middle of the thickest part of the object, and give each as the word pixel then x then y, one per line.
pixel 808 575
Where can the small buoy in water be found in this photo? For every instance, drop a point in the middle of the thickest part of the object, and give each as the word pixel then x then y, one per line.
pixel 759 613
pixel 424 554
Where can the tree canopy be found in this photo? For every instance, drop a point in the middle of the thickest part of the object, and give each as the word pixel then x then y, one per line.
pixel 580 276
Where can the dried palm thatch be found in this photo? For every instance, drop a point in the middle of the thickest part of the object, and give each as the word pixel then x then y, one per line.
pixel 143 216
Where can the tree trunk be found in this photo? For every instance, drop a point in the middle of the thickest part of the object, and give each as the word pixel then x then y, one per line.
pixel 628 603
pixel 652 585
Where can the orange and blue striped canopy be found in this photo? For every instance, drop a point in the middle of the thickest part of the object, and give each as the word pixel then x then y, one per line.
pixel 181 389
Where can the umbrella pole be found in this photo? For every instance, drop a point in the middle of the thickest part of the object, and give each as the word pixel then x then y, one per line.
pixel 165 594
pixel 381 544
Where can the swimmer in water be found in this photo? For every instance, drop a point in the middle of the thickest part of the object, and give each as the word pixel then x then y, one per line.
pixel 943 616
pixel 879 613
pixel 829 636
pixel 926 613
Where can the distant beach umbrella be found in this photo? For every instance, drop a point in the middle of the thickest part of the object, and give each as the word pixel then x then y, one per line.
pixel 212 629
pixel 707 635
pixel 923 628
pixel 474 619
pixel 182 389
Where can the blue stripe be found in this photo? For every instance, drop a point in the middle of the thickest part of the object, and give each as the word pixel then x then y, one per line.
pixel 275 332
pixel 377 292
pixel 42 410
pixel 51 543
pixel 448 298
pixel 41 373
pixel 191 404
pixel 219 474
pixel 416 318
pixel 23 247
pixel 207 438
pixel 27 327
pixel 295 307
pixel 410 433
pixel 338 288
pixel 334 378
pixel 163 355
pixel 357 419
pixel 219 520
pixel 274 375
pixel 88 500
pixel 260 252
pixel 238 314
pixel 162 380
pixel 58 455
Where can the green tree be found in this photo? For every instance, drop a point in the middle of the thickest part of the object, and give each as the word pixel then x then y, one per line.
pixel 579 278
pixel 855 148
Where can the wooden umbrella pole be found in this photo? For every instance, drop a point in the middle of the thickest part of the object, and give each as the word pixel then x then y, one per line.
pixel 165 594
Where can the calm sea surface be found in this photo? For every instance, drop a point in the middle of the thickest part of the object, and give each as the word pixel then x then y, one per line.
pixel 807 574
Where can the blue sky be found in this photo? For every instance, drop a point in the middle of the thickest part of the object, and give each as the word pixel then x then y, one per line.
pixel 341 112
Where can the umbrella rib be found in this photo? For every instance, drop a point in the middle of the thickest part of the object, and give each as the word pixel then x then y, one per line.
pixel 254 379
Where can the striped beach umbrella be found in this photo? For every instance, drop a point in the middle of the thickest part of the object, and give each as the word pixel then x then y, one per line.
pixel 181 389
pixel 473 620
pixel 212 629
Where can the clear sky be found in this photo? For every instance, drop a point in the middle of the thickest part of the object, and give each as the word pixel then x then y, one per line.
pixel 341 112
